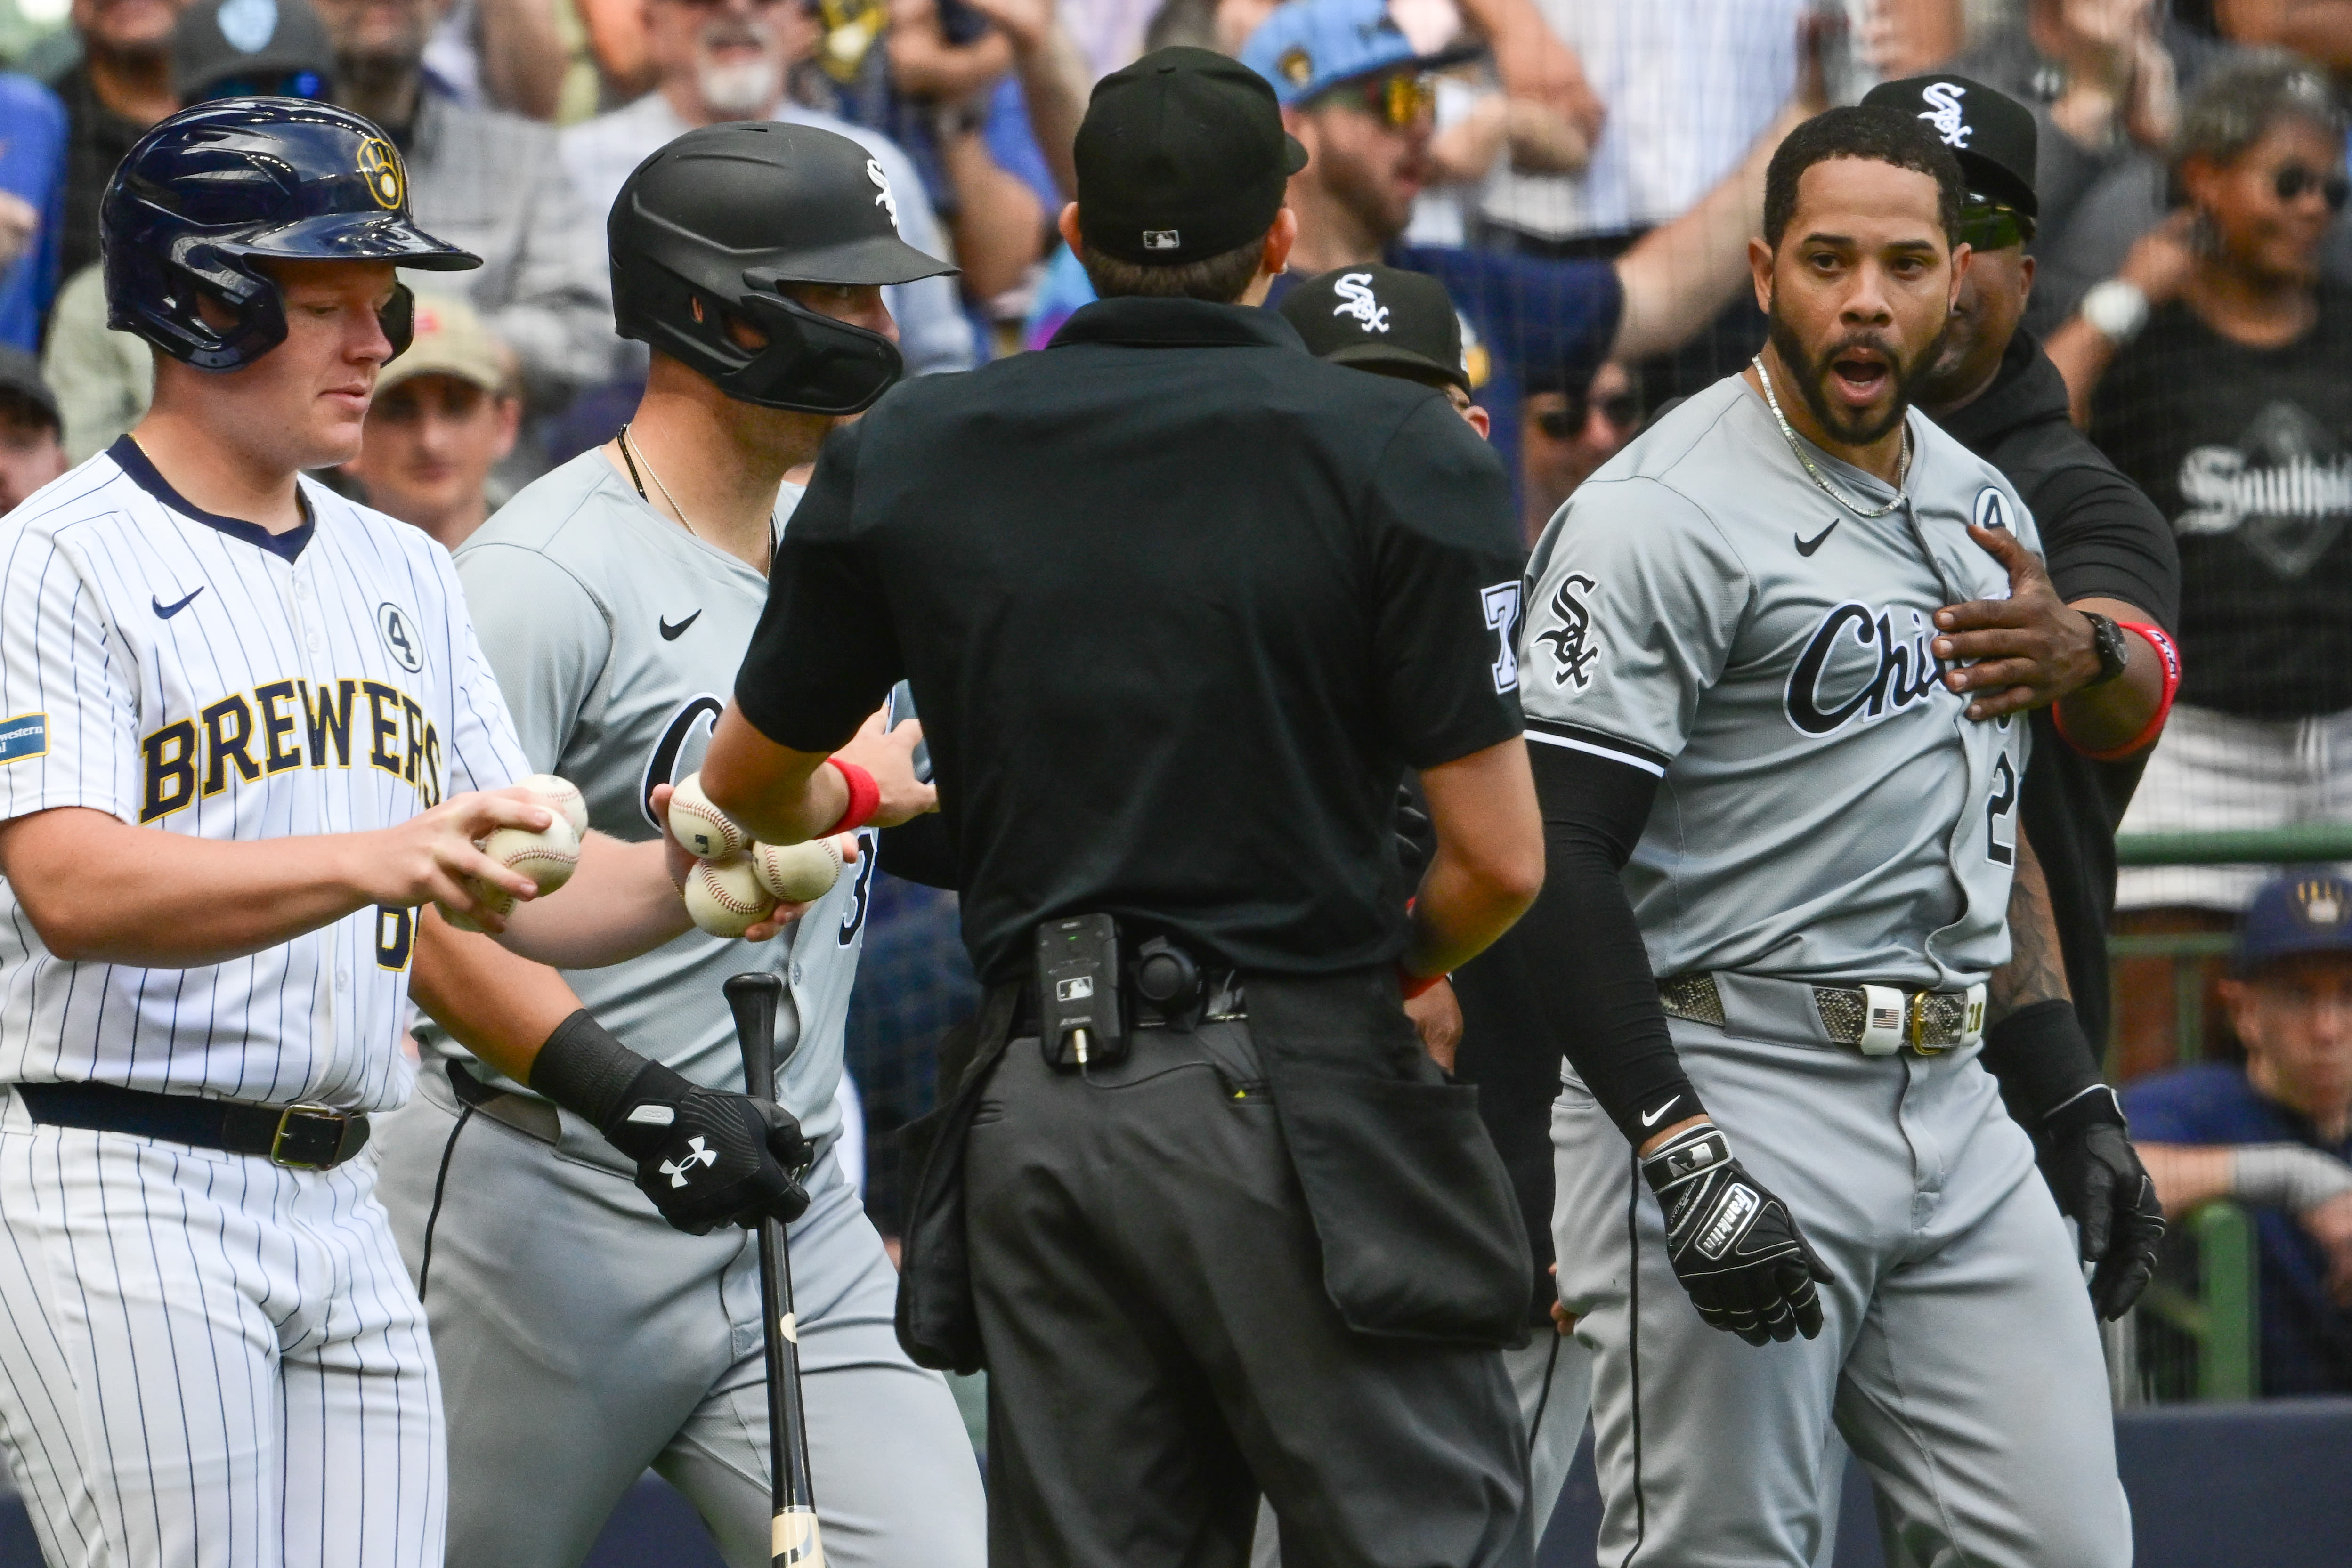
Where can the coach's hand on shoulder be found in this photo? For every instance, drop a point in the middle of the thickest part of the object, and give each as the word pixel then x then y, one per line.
pixel 1734 1246
pixel 432 856
pixel 889 754
pixel 2097 1176
pixel 704 1157
pixel 2024 652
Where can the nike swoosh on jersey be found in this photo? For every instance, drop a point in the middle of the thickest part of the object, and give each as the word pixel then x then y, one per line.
pixel 1651 1120
pixel 1807 546
pixel 167 611
pixel 672 633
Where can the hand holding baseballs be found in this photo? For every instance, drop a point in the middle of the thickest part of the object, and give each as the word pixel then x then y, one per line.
pixel 545 857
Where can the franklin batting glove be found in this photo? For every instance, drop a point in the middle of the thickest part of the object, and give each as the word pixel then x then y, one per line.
pixel 704 1157
pixel 1748 1268
pixel 2097 1176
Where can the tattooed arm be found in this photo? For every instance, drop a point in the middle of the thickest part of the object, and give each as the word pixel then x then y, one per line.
pixel 2049 1075
pixel 2036 970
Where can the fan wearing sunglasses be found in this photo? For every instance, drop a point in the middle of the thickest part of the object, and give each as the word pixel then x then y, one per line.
pixel 2212 372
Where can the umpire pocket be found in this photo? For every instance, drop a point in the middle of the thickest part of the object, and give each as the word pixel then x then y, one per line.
pixel 1422 1236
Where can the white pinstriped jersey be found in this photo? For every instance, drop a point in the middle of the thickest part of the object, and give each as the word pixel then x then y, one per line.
pixel 193 674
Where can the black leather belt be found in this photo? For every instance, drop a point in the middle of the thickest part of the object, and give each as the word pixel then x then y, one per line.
pixel 298 1137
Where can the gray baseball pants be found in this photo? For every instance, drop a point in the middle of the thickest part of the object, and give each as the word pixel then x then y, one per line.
pixel 1958 1358
pixel 583 1341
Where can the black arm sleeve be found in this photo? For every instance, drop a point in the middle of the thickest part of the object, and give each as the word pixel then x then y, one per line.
pixel 918 850
pixel 1595 982
pixel 2040 1057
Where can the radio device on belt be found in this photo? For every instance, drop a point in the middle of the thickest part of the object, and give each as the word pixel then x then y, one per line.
pixel 1078 1016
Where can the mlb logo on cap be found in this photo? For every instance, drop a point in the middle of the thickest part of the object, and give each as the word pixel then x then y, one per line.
pixel 1162 239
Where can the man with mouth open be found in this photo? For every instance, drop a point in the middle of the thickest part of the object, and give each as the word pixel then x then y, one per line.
pixel 1789 890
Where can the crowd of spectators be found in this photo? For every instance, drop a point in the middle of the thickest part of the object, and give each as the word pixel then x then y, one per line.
pixel 1581 176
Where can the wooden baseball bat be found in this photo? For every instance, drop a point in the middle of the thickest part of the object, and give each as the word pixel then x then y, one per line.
pixel 795 1540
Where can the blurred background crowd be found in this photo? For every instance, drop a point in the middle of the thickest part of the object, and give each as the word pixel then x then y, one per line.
pixel 1581 175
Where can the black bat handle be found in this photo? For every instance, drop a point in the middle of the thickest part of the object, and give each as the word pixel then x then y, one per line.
pixel 754 999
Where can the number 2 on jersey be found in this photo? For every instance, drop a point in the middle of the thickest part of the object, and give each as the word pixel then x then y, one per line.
pixel 2000 807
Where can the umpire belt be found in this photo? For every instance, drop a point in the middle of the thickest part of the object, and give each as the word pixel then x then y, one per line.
pixel 1877 1020
pixel 297 1137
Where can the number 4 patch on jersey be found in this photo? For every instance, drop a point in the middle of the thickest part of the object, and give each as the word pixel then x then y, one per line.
pixel 1501 604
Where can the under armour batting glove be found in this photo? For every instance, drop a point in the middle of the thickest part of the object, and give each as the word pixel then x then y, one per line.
pixel 1748 1268
pixel 2097 1176
pixel 705 1158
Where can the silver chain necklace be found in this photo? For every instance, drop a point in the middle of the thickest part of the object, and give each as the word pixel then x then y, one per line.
pixel 1834 492
pixel 633 458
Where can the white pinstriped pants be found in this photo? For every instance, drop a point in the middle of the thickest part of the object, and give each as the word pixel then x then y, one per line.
pixel 209 1361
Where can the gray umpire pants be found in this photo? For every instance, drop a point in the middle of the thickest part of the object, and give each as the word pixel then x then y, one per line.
pixel 1959 1357
pixel 583 1341
pixel 1161 1348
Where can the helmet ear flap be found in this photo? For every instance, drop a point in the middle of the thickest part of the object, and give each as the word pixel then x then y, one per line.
pixel 397 320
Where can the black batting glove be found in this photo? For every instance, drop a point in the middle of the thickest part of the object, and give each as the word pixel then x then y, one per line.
pixel 2096 1175
pixel 704 1158
pixel 1748 1268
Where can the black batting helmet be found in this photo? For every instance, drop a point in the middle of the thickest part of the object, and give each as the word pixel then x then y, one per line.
pixel 214 188
pixel 715 221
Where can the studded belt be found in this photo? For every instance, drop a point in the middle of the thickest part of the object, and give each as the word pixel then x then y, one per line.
pixel 1877 1020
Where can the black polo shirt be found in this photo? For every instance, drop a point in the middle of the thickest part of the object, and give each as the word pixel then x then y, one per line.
pixel 1178 602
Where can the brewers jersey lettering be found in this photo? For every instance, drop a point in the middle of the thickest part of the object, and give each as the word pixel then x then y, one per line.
pixel 193 674
pixel 211 1359
pixel 1826 811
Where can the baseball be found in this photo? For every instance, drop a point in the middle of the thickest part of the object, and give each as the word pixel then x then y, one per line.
pixel 798 873
pixel 560 796
pixel 708 832
pixel 725 898
pixel 548 857
pixel 499 899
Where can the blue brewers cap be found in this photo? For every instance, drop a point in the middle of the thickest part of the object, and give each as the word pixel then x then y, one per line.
pixel 2305 912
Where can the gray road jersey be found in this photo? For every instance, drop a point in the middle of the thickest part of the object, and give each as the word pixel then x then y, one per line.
pixel 1701 611
pixel 615 638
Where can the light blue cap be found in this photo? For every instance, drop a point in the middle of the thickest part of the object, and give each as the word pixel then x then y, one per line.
pixel 1309 46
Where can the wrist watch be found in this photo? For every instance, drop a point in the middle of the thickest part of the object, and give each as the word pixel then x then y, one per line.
pixel 2115 310
pixel 2107 643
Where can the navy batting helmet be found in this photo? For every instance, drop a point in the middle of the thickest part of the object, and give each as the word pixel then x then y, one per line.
pixel 716 220
pixel 214 188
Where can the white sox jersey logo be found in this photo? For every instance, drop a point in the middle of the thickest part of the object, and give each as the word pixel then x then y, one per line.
pixel 1905 673
pixel 1571 659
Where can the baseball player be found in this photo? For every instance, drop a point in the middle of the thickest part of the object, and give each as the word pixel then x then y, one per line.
pixel 1787 891
pixel 248 733
pixel 581 1339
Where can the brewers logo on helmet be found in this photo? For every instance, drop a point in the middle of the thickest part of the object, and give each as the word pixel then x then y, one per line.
pixel 213 190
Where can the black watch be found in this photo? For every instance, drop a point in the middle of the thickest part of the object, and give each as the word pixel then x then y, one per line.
pixel 2107 641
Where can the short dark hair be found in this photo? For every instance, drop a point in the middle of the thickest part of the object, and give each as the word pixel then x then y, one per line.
pixel 1867 130
pixel 1219 279
pixel 21 409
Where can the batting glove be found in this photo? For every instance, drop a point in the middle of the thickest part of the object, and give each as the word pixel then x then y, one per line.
pixel 1747 1266
pixel 704 1158
pixel 2097 1176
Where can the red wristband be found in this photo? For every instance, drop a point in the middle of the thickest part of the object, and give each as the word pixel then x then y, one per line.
pixel 864 797
pixel 1414 985
pixel 2167 663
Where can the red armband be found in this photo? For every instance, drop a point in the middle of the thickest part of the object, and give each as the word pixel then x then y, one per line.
pixel 2168 663
pixel 864 797
pixel 1414 985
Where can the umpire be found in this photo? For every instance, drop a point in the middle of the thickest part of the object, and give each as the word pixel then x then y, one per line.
pixel 1180 604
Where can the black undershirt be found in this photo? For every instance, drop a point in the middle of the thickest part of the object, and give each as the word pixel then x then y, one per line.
pixel 1596 987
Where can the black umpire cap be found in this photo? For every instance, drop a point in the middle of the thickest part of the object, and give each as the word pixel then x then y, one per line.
pixel 1991 134
pixel 1381 318
pixel 1181 157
